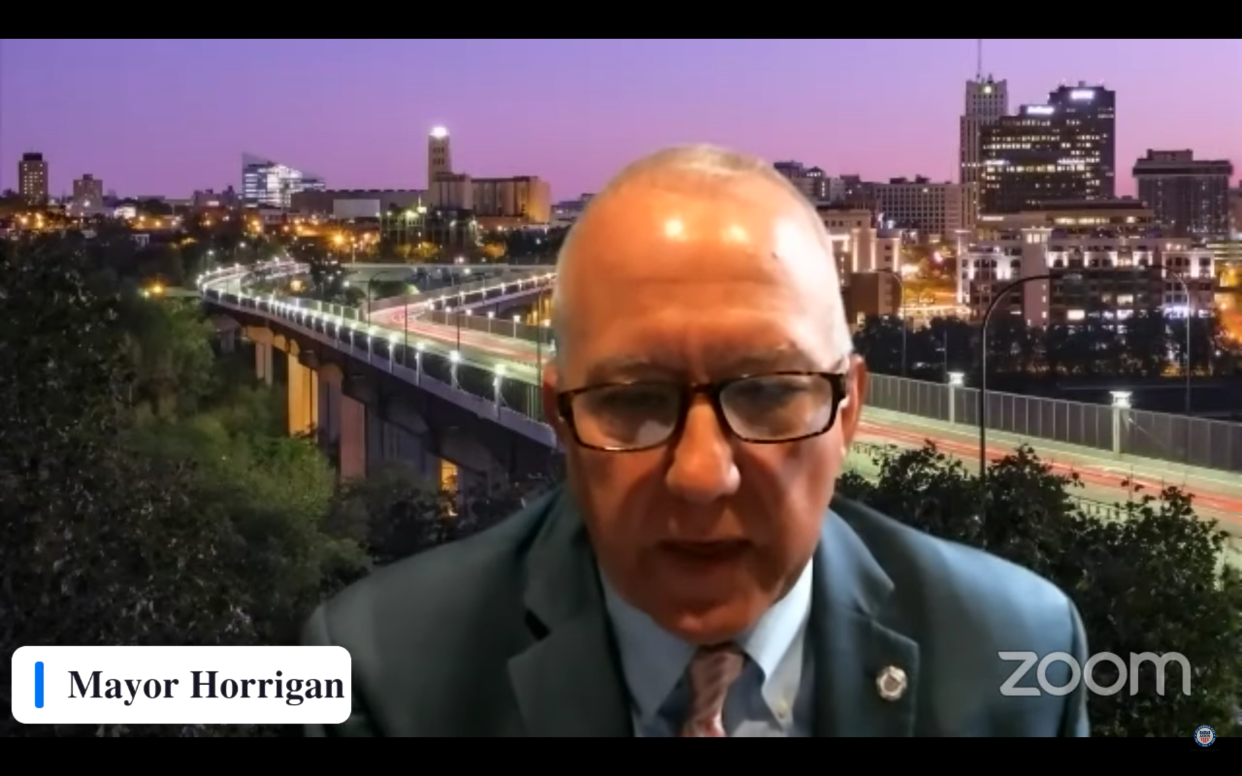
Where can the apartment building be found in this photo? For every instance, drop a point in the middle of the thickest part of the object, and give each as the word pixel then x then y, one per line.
pixel 1104 260
pixel 938 210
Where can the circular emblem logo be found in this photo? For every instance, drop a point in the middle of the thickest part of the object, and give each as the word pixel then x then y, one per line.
pixel 1205 736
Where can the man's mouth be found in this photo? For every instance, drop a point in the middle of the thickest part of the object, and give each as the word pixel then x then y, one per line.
pixel 719 550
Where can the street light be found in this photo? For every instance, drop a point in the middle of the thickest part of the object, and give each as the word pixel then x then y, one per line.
pixel 956 380
pixel 983 367
pixel 497 381
pixel 901 288
pixel 539 351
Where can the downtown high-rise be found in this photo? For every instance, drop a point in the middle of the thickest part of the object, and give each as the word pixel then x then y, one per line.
pixel 32 182
pixel 1061 151
pixel 270 184
pixel 987 101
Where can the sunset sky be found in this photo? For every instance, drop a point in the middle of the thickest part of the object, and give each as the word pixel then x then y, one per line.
pixel 167 117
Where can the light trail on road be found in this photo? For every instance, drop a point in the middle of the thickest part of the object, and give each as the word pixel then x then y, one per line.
pixel 1101 476
pixel 497 345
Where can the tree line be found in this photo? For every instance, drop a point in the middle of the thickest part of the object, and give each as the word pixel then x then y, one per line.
pixel 149 496
pixel 1147 345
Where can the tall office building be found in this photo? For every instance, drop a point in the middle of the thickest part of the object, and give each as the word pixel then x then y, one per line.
pixel 270 184
pixel 88 191
pixel 1064 150
pixel 439 156
pixel 814 184
pixel 936 209
pixel 32 178
pixel 987 100
pixel 1189 196
pixel 1235 212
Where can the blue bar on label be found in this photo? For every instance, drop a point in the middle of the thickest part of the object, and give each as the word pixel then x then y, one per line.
pixel 39 685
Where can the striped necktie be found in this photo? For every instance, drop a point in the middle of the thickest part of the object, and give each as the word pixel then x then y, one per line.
pixel 712 671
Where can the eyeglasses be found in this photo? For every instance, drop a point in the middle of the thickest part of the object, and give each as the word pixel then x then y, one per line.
pixel 760 409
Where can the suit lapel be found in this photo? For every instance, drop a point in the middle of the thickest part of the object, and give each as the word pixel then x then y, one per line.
pixel 568 683
pixel 858 659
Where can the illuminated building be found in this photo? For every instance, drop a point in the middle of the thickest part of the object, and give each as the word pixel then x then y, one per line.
pixel 88 191
pixel 939 209
pixel 987 100
pixel 862 252
pixel 32 178
pixel 1064 150
pixel 347 204
pixel 1107 259
pixel 522 198
pixel 1190 197
pixel 1235 211
pixel 814 184
pixel 439 156
pixel 265 182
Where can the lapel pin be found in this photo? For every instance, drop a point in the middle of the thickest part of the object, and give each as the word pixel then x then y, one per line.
pixel 891 683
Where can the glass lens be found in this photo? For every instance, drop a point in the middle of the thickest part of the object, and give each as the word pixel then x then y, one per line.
pixel 627 416
pixel 776 407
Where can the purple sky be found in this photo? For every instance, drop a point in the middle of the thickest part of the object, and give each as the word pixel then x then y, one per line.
pixel 166 117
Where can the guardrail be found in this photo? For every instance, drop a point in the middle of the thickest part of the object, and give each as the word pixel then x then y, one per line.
pixel 459 294
pixel 350 325
pixel 496 326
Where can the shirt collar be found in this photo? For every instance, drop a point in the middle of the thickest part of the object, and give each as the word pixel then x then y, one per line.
pixel 654 660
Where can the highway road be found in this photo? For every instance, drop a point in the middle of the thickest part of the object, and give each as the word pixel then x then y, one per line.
pixel 1102 475
pixel 516 354
pixel 1216 494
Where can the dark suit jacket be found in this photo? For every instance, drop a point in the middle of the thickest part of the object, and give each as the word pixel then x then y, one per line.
pixel 505 634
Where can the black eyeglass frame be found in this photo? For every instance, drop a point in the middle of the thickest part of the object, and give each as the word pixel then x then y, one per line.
pixel 713 390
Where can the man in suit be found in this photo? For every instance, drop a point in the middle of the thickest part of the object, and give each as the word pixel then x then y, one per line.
pixel 695 576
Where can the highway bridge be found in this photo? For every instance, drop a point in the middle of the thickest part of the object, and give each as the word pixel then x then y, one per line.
pixel 490 367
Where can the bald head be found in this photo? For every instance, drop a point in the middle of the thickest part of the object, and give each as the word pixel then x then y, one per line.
pixel 713 184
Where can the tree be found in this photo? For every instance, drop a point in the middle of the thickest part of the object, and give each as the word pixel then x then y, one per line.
pixel 879 341
pixel 93 544
pixel 397 512
pixel 168 354
pixel 525 246
pixel 117 528
pixel 274 493
pixel 1151 580
pixel 1147 343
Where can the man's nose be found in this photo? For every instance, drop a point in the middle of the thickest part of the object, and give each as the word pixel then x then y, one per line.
pixel 703 468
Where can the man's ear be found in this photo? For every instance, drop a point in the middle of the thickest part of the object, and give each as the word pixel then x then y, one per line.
pixel 547 395
pixel 856 393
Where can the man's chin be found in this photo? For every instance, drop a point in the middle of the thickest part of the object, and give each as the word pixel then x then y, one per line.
pixel 703 623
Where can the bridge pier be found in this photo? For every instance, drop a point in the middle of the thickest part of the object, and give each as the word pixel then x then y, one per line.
pixel 388 441
pixel 263 361
pixel 342 424
pixel 365 416
pixel 303 394
pixel 262 339
pixel 329 405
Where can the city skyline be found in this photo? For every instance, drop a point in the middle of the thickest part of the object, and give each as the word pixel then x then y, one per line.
pixel 176 116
